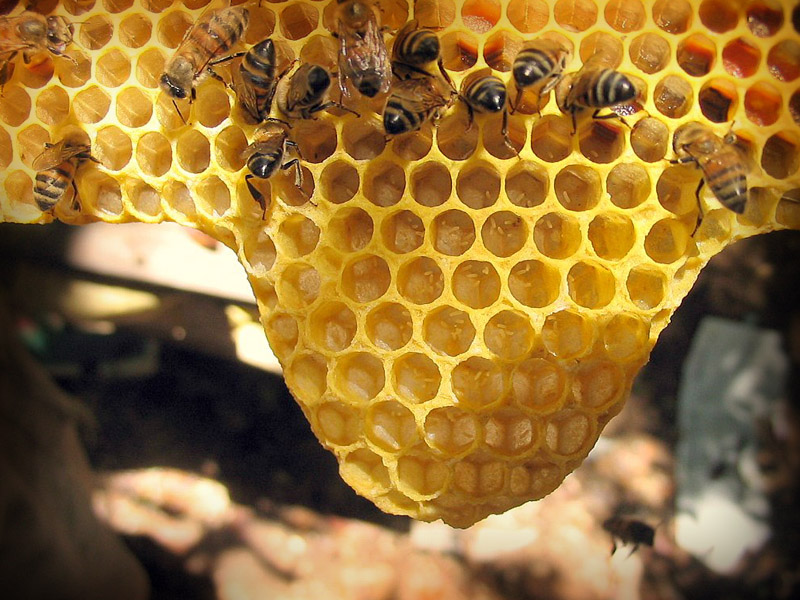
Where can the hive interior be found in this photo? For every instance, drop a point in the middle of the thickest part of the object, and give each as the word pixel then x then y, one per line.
pixel 457 321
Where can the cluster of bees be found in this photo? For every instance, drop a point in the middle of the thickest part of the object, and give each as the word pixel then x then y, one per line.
pixel 417 91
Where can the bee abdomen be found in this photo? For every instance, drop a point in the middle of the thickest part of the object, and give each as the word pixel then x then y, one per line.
pixel 487 94
pixel 51 184
pixel 419 47
pixel 398 119
pixel 260 61
pixel 531 66
pixel 730 187
pixel 225 29
pixel 610 88
pixel 265 164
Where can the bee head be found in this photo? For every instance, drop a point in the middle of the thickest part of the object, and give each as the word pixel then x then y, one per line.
pixel 354 13
pixel 173 88
pixel 59 34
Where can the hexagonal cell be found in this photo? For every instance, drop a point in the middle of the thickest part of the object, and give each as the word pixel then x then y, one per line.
pixel 509 335
pixel 6 151
pixel 575 15
pixel 99 193
pixel 598 385
pixel 113 68
pixel 675 190
pixel 667 241
pixel 528 16
pixel 112 147
pixel 539 385
pixel 431 184
pixel 364 470
pixel 333 326
pixel 459 50
pixel 762 103
pixel 499 50
pixel 260 253
pixel 612 235
pixel 451 430
pixel 416 378
pixel 448 331
pixel 261 25
pixel 283 334
pixel 133 108
pixel 577 187
pixel 30 143
pixel 359 377
pixel 551 138
pixel 625 15
pixel 339 424
pixel 298 20
pixel 421 477
pixel 299 286
pixel 783 60
pixel 214 196
pixel 52 106
pixel 413 146
pixel 403 232
pixel 362 139
pixel 480 15
pixel 510 432
pixel 567 334
pixel 794 106
pixel 476 284
pixel 601 141
pixel 780 156
pixel 134 31
pixel 420 281
pixel 193 151
pixel 646 287
pixel 213 104
pixel 366 279
pixel 479 478
pixel 557 235
pixel 626 337
pixel 696 54
pixel 478 185
pixel 288 192
pixel 628 185
pixel 340 182
pixel 91 105
pixel 498 145
pixel 350 229
pixel 650 139
pixel 569 434
pixel 504 233
pixel 19 189
pixel 15 105
pixel 650 53
pixel 787 212
pixel 172 114
pixel 154 154
pixel 391 426
pixel 307 376
pixel 478 384
pixel 178 198
pixel 741 58
pixel 535 480
pixel 435 14
pixel 602 48
pixel 149 67
pixel 718 100
pixel 299 236
pixel 229 145
pixel 527 184
pixel 456 138
pixel 384 183
pixel 534 283
pixel 764 19
pixel 75 74
pixel 316 139
pixel 172 28
pixel 389 326
pixel 591 285
pixel 453 232
pixel 718 16
pixel 95 32
pixel 673 96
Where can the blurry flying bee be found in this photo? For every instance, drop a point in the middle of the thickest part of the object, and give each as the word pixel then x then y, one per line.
pixel 539 64
pixel 363 58
pixel 56 167
pixel 722 163
pixel 31 33
pixel 597 88
pixel 412 103
pixel 414 48
pixel 303 94
pixel 629 531
pixel 214 33
pixel 265 155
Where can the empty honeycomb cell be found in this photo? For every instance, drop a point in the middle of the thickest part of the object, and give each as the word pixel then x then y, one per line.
pixel 143 197
pixel 389 326
pixel 19 188
pixel 99 192
pixel 650 139
pixel 650 53
pixel 601 141
pixel 74 75
pixel 628 185
pixel 149 67
pixel 551 138
pixel 307 375
pixel 113 68
pixel 557 235
pixel 567 334
pixel 453 232
pixel 718 16
pixel 527 184
pixel 435 14
pixel 762 103
pixel 134 31
pixel 478 384
pixel 420 281
pixel 15 105
pixel 193 151
pixel 575 15
pixel 528 16
pixel 154 154
pixel 604 49
pixel 539 385
pixel 764 19
pixel 476 284
pixel 366 279
pixel 510 432
pixel 577 187
pixel 646 287
pixel 339 182
pixel 6 150
pixel 480 478
pixel 591 285
pixel 299 236
pixel 30 143
pixel 504 233
pixel 456 137
pixel 364 470
pixel 178 197
pixel 362 139
pixel 403 232
pixel 229 145
pixel 261 24
pixel 391 426
pixel 625 337
pixel 503 146
pixel 696 54
pixel 38 72
pixel 741 58
pixel 350 229
pixel 431 184
pixel 416 378
pixel 509 335
pixel 625 15
pixel 339 423
pixel 787 212
pixel 333 326
pixel 95 32
pixel 172 28
pixel 287 190
pixel 451 430
pixel 780 156
pixel 320 50
pixel 172 114
pixel 612 235
pixel 214 196
pixel 112 147
pixel 298 20
pixel 499 50
pixel 478 185
pixel 569 434
pixel 421 478
pixel 91 104
pixel 783 60
pixel 52 106
pixel 448 331
pixel 212 106
pixel 359 376
pixel 598 385
pixel 459 50
pixel 316 140
pixel 413 146
pixel 667 240
pixel 534 283
pixel 133 108
pixel 480 15
pixel 718 100
pixel 300 285
pixel 384 183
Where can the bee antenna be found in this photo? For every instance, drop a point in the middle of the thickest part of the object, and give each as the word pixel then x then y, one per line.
pixel 178 110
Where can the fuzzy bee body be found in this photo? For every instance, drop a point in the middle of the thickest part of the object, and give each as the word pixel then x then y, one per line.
pixel 304 94
pixel 538 65
pixel 485 94
pixel 255 80
pixel 411 103
pixel 599 88
pixel 265 156
pixel 30 33
pixel 363 58
pixel 629 531
pixel 56 167
pixel 414 46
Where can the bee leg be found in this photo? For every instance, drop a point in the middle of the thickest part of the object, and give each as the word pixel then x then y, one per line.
pixel 574 122
pixel 699 205
pixel 445 74
pixel 293 145
pixel 217 61
pixel 612 115
pixel 298 173
pixel 504 131
pixel 217 76
pixel 257 196
pixel 178 110
pixel 281 121
pixel 328 104
pixel 470 112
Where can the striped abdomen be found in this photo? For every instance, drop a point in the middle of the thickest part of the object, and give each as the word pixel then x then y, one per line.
pixel 600 89
pixel 216 36
pixel 486 94
pixel 417 47
pixel 257 70
pixel 51 184
pixel 535 65
pixel 266 158
pixel 725 173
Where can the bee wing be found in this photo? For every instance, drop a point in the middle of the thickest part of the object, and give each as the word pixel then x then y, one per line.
pixel 208 13
pixel 58 153
pixel 245 94
pixel 365 53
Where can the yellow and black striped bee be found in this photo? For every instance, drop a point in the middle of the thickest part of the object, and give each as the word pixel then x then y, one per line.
pixel 597 88
pixel 722 163
pixel 265 156
pixel 304 93
pixel 539 65
pixel 629 531
pixel 413 49
pixel 214 34
pixel 363 58
pixel 31 33
pixel 56 167
pixel 411 103
pixel 484 94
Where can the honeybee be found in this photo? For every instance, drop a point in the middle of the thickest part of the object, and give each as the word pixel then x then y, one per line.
pixel 265 155
pixel 723 165
pixel 540 64
pixel 56 167
pixel 413 48
pixel 629 531
pixel 597 88
pixel 29 33
pixel 363 58
pixel 303 94
pixel 484 93
pixel 411 103
pixel 214 33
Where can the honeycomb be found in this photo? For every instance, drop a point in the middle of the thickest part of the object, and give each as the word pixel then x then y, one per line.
pixel 457 316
